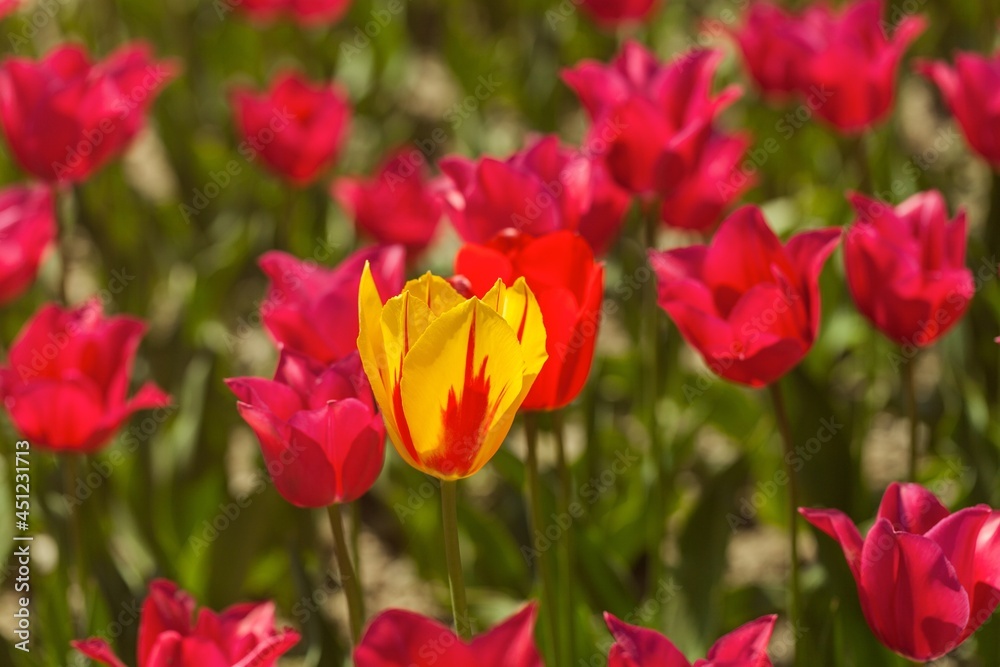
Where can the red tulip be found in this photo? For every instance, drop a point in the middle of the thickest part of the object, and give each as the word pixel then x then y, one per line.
pixel 397 205
pixel 653 119
pixel 539 190
pixel 776 45
pixel 296 127
pixel 745 646
pixel 700 200
pixel 323 440
pixel 843 64
pixel 314 310
pixel 398 638
pixel 79 360
pixel 171 636
pixel 560 270
pixel 906 267
pixel 972 91
pixel 64 117
pixel 8 7
pixel 27 228
pixel 614 12
pixel 305 12
pixel 927 579
pixel 749 305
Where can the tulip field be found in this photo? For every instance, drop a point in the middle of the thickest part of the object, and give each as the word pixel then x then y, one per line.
pixel 443 333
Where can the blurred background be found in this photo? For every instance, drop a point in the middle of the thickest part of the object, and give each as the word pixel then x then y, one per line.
pixel 165 506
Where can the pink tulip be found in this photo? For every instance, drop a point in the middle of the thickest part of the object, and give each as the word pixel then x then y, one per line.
pixel 927 579
pixel 295 126
pixel 749 304
pixel 65 117
pixel 81 361
pixel 906 267
pixel 745 646
pixel 305 12
pixel 322 438
pixel 541 189
pixel 397 205
pixel 842 64
pixel 612 13
pixel 27 229
pixel 171 636
pixel 654 119
pixel 972 92
pixel 703 196
pixel 314 310
pixel 403 639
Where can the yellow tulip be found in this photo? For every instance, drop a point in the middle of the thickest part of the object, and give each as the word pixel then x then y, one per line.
pixel 449 373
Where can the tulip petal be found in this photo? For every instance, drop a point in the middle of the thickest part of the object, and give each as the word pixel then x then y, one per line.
pixel 511 643
pixel 911 508
pixel 913 599
pixel 839 526
pixel 167 609
pixel 397 638
pixel 375 360
pixel 746 646
pixel 98 649
pixel 459 378
pixel 970 540
pixel 641 647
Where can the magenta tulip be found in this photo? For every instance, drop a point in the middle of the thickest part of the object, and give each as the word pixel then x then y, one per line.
pixel 64 117
pixel 81 361
pixel 314 310
pixel 745 646
pixel 927 579
pixel 906 267
pixel 27 229
pixel 403 639
pixel 654 119
pixel 171 636
pixel 322 438
pixel 296 127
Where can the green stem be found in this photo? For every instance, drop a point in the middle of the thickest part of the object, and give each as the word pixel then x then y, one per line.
pixel 649 368
pixel 538 526
pixel 794 598
pixel 866 184
pixel 348 578
pixel 453 557
pixel 74 550
pixel 567 567
pixel 910 391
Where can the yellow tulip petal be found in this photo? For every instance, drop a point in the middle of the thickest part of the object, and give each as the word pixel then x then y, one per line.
pixel 436 292
pixel 403 322
pixel 374 359
pixel 518 305
pixel 459 378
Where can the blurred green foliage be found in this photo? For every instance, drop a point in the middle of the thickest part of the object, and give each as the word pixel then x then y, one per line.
pixel 197 283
